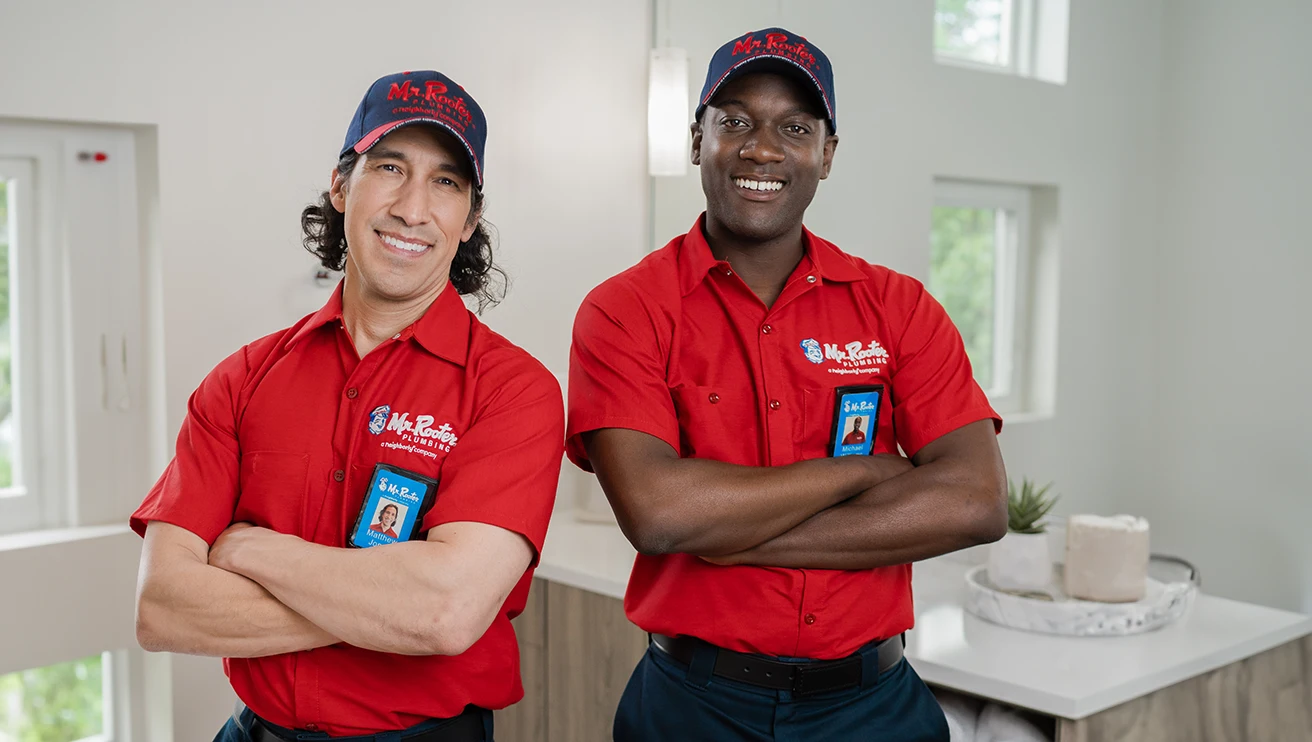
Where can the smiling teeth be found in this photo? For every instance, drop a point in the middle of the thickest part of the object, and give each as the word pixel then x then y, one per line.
pixel 408 246
pixel 758 185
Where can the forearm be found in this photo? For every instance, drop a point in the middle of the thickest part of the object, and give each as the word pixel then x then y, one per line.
pixel 704 507
pixel 393 598
pixel 196 608
pixel 917 515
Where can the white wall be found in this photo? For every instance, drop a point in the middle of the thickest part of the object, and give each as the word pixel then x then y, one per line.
pixel 251 101
pixel 1234 482
pixel 904 119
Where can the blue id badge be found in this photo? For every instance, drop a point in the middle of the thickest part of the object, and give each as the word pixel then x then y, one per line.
pixel 856 420
pixel 393 507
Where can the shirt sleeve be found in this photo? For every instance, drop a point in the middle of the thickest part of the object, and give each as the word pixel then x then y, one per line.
pixel 617 370
pixel 934 389
pixel 198 489
pixel 505 468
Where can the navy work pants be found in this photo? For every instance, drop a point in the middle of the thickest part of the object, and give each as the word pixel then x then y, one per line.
pixel 666 700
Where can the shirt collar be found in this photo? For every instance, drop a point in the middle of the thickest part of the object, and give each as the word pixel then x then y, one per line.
pixel 443 330
pixel 696 260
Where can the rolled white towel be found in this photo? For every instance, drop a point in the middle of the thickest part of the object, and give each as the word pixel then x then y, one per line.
pixel 997 724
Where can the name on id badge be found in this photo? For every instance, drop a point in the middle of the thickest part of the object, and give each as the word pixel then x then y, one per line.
pixel 856 420
pixel 393 507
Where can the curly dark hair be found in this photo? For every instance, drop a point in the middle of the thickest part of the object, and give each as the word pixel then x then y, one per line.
pixel 472 269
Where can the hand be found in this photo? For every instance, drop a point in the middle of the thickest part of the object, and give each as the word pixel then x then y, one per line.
pixel 233 540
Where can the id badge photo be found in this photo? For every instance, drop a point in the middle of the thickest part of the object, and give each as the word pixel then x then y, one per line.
pixel 394 505
pixel 856 420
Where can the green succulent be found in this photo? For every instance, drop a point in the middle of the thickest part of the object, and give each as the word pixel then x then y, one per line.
pixel 1026 508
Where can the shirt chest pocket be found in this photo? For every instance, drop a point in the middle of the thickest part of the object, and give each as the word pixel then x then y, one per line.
pixel 815 431
pixel 272 490
pixel 719 424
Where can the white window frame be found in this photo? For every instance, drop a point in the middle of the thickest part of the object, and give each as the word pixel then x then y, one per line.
pixel 1034 37
pixel 1013 254
pixel 25 507
pixel 77 310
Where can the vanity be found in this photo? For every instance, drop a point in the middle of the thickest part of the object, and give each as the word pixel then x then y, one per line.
pixel 1225 672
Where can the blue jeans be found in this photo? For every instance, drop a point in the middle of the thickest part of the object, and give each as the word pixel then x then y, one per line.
pixel 238 730
pixel 666 700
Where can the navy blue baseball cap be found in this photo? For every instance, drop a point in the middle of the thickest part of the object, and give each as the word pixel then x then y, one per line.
pixel 772 50
pixel 423 97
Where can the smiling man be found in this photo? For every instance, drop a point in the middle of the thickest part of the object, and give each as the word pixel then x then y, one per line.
pixel 710 389
pixel 259 538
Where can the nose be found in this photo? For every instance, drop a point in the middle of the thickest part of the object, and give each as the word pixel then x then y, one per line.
pixel 762 147
pixel 411 202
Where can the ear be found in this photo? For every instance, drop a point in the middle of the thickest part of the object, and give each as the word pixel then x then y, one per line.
pixel 696 130
pixel 471 224
pixel 337 191
pixel 831 144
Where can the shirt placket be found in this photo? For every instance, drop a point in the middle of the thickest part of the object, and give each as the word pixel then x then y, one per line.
pixel 349 415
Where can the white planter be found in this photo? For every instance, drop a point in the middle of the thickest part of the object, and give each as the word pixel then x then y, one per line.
pixel 1021 561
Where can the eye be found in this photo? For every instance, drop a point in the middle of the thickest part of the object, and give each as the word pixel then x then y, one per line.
pixel 797 129
pixel 734 123
pixel 389 167
pixel 447 182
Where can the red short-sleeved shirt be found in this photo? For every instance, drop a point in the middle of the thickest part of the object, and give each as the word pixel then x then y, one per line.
pixel 678 347
pixel 280 435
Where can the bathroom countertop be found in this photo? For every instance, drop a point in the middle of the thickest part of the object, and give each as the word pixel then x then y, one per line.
pixel 1069 677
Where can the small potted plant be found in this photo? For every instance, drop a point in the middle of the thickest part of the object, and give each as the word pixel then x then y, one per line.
pixel 1020 561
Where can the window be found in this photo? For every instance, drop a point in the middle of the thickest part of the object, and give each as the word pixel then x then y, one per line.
pixel 979 31
pixel 59 703
pixel 17 472
pixel 979 255
pixel 1027 38
pixel 72 418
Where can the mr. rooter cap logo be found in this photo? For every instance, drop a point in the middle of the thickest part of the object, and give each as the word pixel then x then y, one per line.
pixel 432 98
pixel 776 44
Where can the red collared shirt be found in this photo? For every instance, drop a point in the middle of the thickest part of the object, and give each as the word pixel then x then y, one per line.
pixel 678 347
pixel 285 434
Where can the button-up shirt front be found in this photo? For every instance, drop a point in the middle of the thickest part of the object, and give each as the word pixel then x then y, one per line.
pixel 680 348
pixel 285 434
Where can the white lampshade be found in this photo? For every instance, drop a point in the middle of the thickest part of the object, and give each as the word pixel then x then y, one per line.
pixel 667 112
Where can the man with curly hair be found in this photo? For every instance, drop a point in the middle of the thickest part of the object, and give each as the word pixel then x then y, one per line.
pixel 257 540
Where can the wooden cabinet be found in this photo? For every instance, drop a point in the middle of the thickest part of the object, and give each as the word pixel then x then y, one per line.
pixel 577 650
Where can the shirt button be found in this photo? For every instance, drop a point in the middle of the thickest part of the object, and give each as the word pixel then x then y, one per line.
pixel 339 475
pixel 810 619
pixel 312 727
pixel 810 279
pixel 714 398
pixel 775 404
pixel 767 329
pixel 352 393
pixel 728 272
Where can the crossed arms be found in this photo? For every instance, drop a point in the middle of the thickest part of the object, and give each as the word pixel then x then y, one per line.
pixel 257 592
pixel 851 512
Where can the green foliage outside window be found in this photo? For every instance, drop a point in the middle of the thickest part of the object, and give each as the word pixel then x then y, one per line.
pixel 962 249
pixel 969 29
pixel 59 703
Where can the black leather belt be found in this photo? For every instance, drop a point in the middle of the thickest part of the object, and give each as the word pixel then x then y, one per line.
pixel 802 678
pixel 467 727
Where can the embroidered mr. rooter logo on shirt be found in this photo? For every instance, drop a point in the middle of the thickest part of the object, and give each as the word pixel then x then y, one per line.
pixel 417 436
pixel 856 357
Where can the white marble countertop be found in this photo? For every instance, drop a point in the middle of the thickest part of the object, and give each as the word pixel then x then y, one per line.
pixel 1061 676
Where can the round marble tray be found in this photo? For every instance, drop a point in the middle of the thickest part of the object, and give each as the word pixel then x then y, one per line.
pixel 1056 613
